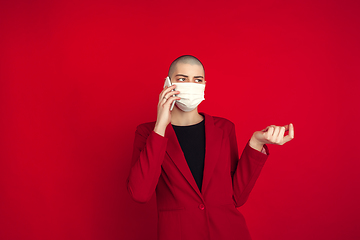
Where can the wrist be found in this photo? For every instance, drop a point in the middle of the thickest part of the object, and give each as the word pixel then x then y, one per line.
pixel 254 143
pixel 159 130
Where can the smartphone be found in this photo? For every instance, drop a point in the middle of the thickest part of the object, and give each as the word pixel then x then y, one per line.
pixel 168 84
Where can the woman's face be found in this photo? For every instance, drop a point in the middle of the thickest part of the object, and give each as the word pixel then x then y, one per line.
pixel 188 73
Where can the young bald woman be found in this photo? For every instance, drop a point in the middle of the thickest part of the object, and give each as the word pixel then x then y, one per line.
pixel 190 160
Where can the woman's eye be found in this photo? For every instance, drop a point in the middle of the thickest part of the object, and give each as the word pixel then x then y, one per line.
pixel 181 79
pixel 198 80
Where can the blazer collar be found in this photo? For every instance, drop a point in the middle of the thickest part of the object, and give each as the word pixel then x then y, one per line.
pixel 213 139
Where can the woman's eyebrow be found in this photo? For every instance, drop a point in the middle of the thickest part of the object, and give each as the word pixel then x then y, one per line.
pixel 182 75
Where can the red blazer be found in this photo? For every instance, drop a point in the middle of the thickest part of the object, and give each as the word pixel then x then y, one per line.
pixel 159 165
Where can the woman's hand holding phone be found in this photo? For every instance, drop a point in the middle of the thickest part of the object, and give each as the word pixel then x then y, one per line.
pixel 166 97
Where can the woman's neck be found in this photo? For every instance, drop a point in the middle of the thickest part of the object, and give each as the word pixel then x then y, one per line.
pixel 181 118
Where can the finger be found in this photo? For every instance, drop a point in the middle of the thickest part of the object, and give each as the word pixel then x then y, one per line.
pixel 269 133
pixel 166 90
pixel 171 93
pixel 280 137
pixel 290 136
pixel 291 130
pixel 275 134
pixel 267 128
pixel 167 96
pixel 164 95
pixel 169 101
pixel 162 101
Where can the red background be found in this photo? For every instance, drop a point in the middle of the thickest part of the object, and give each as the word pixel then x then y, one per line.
pixel 78 77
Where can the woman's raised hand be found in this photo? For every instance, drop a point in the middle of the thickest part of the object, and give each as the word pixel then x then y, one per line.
pixel 272 135
pixel 166 98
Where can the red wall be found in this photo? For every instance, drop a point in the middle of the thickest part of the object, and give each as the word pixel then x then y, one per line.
pixel 76 78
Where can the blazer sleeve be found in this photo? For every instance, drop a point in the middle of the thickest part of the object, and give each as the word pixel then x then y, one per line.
pixel 246 170
pixel 148 155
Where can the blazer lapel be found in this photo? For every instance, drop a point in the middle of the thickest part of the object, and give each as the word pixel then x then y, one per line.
pixel 213 139
pixel 176 154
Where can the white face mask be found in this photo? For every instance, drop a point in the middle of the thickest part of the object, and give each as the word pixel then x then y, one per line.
pixel 192 94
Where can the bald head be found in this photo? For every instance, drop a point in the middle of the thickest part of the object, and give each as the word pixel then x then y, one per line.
pixel 185 59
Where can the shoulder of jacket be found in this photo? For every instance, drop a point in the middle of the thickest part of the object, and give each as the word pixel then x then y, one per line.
pixel 225 124
pixel 145 129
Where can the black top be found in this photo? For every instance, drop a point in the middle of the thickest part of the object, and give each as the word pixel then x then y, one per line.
pixel 192 142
